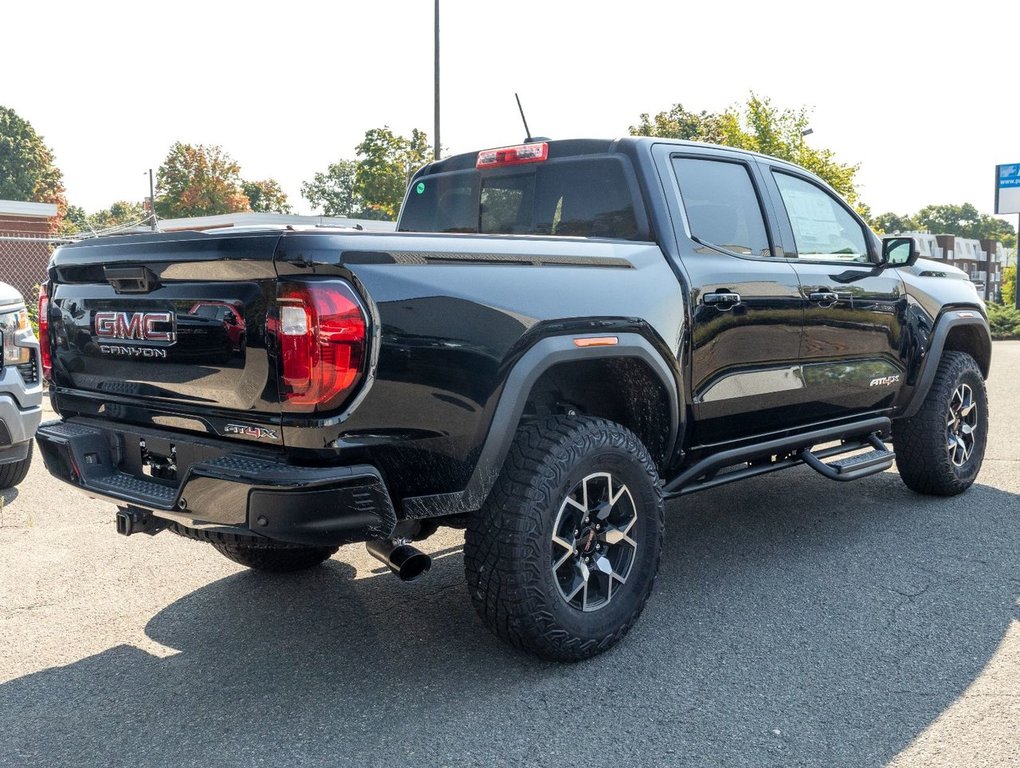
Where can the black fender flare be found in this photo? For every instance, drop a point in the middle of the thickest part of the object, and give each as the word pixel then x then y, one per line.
pixel 949 320
pixel 542 356
pixel 538 359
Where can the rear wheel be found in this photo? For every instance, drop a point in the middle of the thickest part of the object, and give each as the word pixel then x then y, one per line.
pixel 275 559
pixel 562 557
pixel 939 450
pixel 13 473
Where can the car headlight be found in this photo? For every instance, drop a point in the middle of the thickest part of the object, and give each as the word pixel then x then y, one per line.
pixel 17 337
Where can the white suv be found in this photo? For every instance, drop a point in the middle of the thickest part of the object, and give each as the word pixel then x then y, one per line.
pixel 21 389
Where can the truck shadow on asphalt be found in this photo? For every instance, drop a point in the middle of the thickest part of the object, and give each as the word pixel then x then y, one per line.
pixel 829 628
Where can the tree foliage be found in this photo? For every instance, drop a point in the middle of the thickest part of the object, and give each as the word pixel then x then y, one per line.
pixel 961 220
pixel 266 196
pixel 1004 321
pixel 758 126
pixel 27 170
pixel 893 223
pixel 119 214
pixel 199 180
pixel 1009 286
pixel 965 221
pixel 373 186
pixel 332 191
pixel 386 162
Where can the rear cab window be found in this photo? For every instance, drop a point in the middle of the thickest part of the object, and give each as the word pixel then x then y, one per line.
pixel 594 196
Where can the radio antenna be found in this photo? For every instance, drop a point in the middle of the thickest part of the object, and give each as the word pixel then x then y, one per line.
pixel 524 120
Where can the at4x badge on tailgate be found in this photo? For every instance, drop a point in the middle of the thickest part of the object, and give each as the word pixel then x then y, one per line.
pixel 251 430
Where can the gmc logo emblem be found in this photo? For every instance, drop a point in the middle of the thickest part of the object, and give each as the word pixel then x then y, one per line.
pixel 137 326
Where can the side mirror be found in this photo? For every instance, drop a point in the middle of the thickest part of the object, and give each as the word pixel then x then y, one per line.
pixel 899 252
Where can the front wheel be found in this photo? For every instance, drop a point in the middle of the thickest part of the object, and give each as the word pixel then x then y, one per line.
pixel 13 473
pixel 563 554
pixel 939 450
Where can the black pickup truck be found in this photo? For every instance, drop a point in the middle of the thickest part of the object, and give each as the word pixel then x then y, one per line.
pixel 560 336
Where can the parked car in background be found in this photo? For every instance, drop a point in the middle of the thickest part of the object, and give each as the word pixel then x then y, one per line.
pixel 20 387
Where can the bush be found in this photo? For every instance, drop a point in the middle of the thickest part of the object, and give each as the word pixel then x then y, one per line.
pixel 1004 321
pixel 32 305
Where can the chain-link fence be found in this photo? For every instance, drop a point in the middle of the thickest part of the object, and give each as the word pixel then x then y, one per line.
pixel 23 260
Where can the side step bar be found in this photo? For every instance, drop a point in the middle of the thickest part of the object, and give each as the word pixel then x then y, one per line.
pixel 853 467
pixel 790 451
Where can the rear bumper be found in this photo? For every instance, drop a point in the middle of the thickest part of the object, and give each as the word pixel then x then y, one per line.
pixel 226 490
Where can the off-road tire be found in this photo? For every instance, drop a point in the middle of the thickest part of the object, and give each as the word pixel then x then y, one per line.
pixel 13 473
pixel 923 457
pixel 275 559
pixel 508 549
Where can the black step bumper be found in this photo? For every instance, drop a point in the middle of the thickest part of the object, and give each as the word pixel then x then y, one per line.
pixel 227 491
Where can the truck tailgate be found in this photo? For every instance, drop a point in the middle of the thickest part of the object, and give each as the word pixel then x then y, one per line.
pixel 175 323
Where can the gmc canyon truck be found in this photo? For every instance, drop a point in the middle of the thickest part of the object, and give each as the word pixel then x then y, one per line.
pixel 560 336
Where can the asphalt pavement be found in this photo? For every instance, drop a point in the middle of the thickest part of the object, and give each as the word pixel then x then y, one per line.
pixel 795 622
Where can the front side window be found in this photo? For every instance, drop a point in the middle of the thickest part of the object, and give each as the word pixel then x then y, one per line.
pixel 823 229
pixel 721 204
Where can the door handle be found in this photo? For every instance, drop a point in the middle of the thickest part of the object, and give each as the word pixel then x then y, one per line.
pixel 828 298
pixel 722 300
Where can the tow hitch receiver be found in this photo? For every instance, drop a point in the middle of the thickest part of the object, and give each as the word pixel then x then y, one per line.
pixel 133 520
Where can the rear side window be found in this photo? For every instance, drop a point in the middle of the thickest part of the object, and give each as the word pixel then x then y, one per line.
pixel 721 204
pixel 445 202
pixel 571 197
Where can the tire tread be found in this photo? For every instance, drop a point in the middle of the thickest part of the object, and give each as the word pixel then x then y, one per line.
pixel 503 558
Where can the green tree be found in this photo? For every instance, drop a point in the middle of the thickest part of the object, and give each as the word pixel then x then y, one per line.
pixel 266 196
pixel 1009 286
pixel 27 170
pixel 965 221
pixel 678 123
pixel 758 126
pixel 891 223
pixel 198 180
pixel 386 162
pixel 332 190
pixel 119 214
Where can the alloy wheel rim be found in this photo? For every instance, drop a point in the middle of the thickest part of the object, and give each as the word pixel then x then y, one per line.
pixel 961 425
pixel 593 551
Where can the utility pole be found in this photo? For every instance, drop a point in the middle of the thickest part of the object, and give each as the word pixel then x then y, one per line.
pixel 437 83
pixel 152 202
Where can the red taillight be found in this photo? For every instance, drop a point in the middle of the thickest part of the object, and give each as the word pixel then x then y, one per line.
pixel 322 331
pixel 519 155
pixel 44 333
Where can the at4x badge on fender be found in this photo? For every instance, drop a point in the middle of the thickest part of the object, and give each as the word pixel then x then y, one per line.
pixel 885 381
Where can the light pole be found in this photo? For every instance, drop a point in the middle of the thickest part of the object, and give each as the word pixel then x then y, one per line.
pixel 152 202
pixel 436 111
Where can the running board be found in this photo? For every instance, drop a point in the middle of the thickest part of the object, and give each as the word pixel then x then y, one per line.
pixel 853 467
pixel 790 451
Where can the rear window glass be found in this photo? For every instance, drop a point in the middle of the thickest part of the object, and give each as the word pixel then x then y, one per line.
pixel 583 197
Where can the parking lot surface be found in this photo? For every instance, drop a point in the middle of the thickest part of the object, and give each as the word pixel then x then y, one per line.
pixel 795 622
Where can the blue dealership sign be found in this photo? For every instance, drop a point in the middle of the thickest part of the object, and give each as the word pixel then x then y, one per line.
pixel 1007 188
